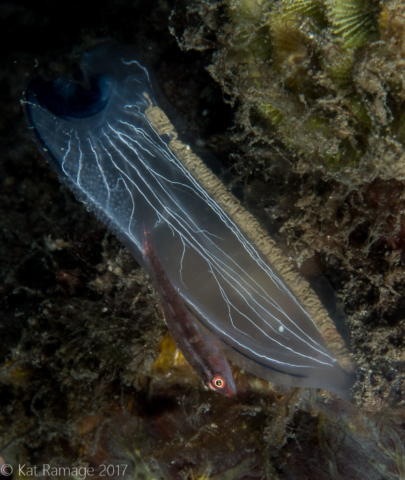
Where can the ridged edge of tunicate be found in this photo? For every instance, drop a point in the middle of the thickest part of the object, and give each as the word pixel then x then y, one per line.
pixel 255 232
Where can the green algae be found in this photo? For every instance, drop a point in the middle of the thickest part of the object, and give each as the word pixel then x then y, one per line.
pixel 295 62
pixel 314 46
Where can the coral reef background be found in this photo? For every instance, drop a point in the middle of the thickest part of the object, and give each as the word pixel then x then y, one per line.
pixel 303 102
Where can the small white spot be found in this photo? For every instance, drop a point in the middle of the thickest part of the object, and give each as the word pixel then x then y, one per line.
pixel 281 328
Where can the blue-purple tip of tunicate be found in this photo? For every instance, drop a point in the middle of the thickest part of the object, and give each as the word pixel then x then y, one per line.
pixel 115 148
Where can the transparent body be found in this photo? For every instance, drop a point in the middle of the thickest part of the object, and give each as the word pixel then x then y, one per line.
pixel 97 136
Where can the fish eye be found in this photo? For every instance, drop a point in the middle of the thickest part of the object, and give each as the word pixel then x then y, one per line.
pixel 218 382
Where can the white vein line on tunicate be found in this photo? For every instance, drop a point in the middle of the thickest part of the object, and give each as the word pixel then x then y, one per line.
pixel 129 62
pixel 103 175
pixel 133 204
pixel 67 153
pixel 181 261
pixel 78 181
